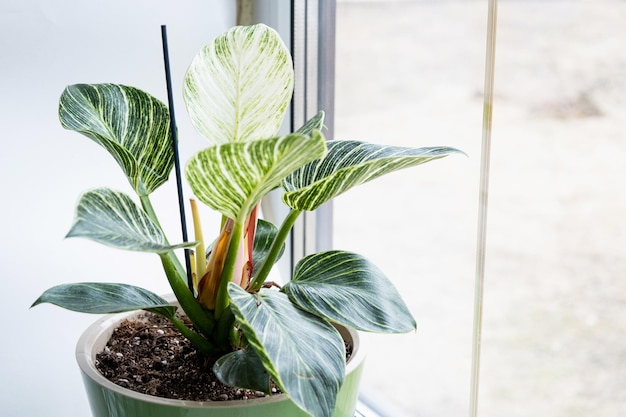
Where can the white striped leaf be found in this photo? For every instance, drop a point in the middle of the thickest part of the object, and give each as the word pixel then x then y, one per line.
pixel 243 369
pixel 238 87
pixel 314 123
pixel 303 353
pixel 129 123
pixel 347 164
pixel 264 236
pixel 113 219
pixel 348 289
pixel 105 298
pixel 231 178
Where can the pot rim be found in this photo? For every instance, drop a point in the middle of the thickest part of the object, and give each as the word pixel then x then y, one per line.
pixel 95 337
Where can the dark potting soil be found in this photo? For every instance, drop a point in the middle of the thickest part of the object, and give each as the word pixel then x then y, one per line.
pixel 150 356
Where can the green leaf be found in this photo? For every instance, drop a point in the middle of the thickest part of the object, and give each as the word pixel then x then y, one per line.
pixel 243 369
pixel 238 87
pixel 263 238
pixel 105 298
pixel 346 288
pixel 347 164
pixel 231 178
pixel 113 219
pixel 303 353
pixel 129 123
pixel 314 123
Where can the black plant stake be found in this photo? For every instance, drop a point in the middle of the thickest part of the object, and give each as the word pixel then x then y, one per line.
pixel 179 184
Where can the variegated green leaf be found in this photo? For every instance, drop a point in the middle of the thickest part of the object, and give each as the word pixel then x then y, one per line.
pixel 129 123
pixel 347 164
pixel 348 289
pixel 263 238
pixel 105 298
pixel 238 87
pixel 314 123
pixel 304 354
pixel 243 368
pixel 113 219
pixel 231 178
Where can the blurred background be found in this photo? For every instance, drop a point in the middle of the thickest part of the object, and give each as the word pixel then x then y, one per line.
pixel 411 72
pixel 408 73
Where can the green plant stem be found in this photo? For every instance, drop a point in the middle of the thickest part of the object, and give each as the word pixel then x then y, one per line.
pixel 222 301
pixel 268 263
pixel 200 317
pixel 198 341
pixel 224 328
pixel 176 274
pixel 146 204
pixel 149 209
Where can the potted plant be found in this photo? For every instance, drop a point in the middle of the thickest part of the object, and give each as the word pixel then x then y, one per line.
pixel 236 91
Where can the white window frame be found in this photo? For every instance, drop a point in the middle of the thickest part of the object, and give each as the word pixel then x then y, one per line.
pixel 304 25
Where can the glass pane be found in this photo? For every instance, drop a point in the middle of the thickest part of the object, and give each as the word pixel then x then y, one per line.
pixel 412 73
pixel 554 320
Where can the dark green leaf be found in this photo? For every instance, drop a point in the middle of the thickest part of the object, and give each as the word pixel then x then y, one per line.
pixel 303 353
pixel 264 237
pixel 243 368
pixel 129 123
pixel 113 219
pixel 347 164
pixel 348 289
pixel 105 298
pixel 314 123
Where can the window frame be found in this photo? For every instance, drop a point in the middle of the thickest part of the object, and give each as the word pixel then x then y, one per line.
pixel 304 25
pixel 308 28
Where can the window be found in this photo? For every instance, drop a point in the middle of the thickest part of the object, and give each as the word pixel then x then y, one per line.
pixel 308 27
pixel 412 72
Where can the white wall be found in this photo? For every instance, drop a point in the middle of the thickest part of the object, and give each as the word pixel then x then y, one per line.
pixel 44 46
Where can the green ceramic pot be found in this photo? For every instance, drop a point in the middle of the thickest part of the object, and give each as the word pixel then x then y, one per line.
pixel 109 400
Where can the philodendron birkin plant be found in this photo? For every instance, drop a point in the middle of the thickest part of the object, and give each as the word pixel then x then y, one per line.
pixel 237 90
